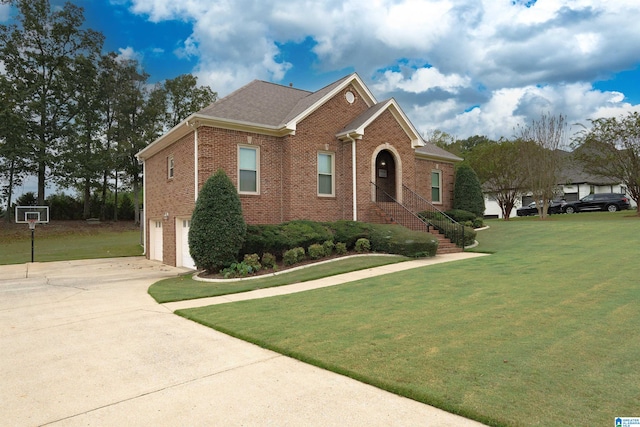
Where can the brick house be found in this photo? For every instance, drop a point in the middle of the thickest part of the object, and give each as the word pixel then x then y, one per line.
pixel 292 154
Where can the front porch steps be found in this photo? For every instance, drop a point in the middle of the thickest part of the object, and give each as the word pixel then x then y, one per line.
pixel 445 246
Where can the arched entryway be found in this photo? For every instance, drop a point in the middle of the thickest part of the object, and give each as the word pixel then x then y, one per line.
pixel 385 175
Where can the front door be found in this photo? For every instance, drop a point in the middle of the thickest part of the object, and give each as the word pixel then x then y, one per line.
pixel 385 176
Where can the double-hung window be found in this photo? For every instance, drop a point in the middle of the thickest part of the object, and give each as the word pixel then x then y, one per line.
pixel 326 174
pixel 170 165
pixel 248 170
pixel 436 186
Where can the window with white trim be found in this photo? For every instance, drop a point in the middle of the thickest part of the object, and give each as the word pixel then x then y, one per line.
pixel 326 174
pixel 248 170
pixel 436 186
pixel 170 165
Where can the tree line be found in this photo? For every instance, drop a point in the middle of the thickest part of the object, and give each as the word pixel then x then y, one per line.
pixel 74 115
pixel 533 161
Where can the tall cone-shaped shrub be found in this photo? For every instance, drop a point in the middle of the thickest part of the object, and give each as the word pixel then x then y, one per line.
pixel 467 192
pixel 217 229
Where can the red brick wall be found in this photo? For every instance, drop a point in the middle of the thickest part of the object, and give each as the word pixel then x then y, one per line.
pixel 218 149
pixel 288 170
pixel 423 181
pixel 175 196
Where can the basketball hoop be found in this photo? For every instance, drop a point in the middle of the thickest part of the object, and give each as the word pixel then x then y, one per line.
pixel 32 223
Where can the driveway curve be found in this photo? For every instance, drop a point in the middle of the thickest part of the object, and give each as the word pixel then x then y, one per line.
pixel 82 343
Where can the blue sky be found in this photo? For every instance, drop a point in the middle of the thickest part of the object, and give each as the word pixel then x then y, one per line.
pixel 464 67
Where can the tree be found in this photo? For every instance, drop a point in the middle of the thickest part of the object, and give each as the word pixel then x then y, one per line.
pixel 467 193
pixel 39 56
pixel 542 161
pixel 217 229
pixel 611 148
pixel 13 149
pixel 184 97
pixel 498 168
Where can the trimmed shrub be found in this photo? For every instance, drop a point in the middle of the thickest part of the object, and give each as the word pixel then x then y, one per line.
pixel 467 193
pixel 237 269
pixel 252 261
pixel 460 215
pixel 276 239
pixel 349 231
pixel 362 245
pixel 293 256
pixel 396 239
pixel 316 251
pixel 341 248
pixel 268 260
pixel 217 229
pixel 328 246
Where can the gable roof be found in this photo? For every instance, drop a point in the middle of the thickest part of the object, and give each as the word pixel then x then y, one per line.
pixel 357 127
pixel 273 109
pixel 432 151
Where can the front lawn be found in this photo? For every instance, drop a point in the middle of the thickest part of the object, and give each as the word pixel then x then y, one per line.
pixel 545 332
pixel 68 240
pixel 184 287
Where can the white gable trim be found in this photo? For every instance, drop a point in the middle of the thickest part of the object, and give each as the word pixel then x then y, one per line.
pixel 401 118
pixel 354 80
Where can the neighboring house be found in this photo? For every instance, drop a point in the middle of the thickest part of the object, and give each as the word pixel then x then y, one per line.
pixel 575 184
pixel 292 154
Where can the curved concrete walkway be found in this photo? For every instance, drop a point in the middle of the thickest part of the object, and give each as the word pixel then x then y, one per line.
pixel 82 343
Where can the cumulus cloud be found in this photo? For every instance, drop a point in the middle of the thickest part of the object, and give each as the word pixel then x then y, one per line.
pixel 492 64
pixel 129 54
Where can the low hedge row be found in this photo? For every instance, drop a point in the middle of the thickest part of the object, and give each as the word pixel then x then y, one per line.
pixel 395 239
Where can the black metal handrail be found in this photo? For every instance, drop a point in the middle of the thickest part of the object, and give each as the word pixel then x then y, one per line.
pixel 397 211
pixel 452 229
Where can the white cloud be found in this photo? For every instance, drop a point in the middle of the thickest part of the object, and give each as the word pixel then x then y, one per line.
pixel 507 59
pixel 128 53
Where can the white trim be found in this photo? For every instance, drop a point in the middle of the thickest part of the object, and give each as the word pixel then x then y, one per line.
pixel 332 155
pixel 256 148
pixel 354 177
pixel 144 208
pixel 171 167
pixel 397 159
pixel 439 172
pixel 195 164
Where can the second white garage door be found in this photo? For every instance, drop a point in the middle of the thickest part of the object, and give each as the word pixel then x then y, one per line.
pixel 183 258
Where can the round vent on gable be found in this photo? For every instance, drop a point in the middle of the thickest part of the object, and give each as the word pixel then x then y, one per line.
pixel 350 97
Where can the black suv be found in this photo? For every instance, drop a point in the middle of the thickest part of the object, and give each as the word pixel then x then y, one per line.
pixel 598 202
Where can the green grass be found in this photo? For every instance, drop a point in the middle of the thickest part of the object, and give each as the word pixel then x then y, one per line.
pixel 184 287
pixel 68 240
pixel 545 332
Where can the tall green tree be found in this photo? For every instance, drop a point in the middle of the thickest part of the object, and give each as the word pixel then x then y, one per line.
pixel 80 155
pixel 39 53
pixel 611 149
pixel 184 97
pixel 498 167
pixel 13 150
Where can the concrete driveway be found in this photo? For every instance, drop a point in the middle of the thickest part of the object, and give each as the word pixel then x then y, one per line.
pixel 82 343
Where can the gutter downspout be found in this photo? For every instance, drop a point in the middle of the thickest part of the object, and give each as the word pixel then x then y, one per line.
pixel 354 175
pixel 195 163
pixel 144 207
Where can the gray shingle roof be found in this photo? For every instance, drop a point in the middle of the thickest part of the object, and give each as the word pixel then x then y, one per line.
pixel 433 150
pixel 258 102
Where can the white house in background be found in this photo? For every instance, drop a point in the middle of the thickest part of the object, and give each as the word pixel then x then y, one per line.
pixel 576 183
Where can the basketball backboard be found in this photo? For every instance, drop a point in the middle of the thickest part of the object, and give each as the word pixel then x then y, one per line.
pixel 27 214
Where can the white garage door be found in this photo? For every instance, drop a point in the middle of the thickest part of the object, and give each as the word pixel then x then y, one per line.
pixel 182 247
pixel 155 240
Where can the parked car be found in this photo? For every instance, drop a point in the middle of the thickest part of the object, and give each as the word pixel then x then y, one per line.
pixel 598 202
pixel 555 207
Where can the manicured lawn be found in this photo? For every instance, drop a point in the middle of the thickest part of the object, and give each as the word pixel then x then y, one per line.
pixel 545 332
pixel 68 240
pixel 184 287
